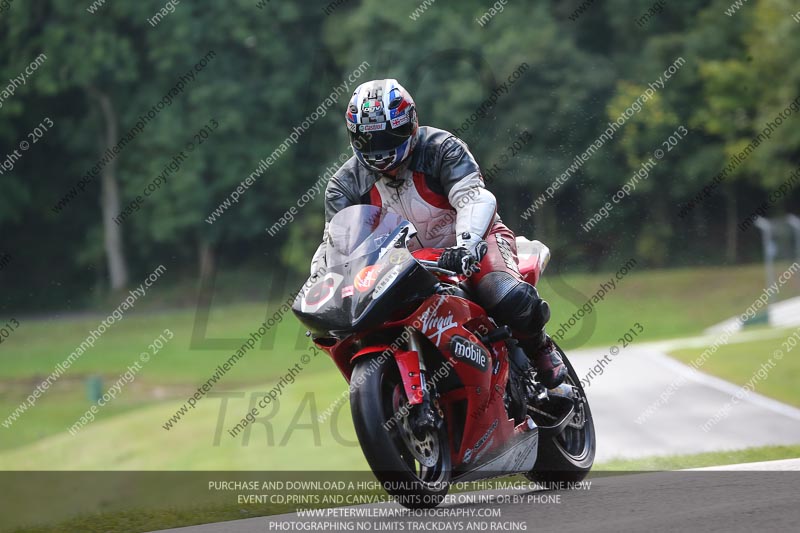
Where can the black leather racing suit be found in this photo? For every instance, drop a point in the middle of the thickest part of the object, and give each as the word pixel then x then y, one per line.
pixel 441 191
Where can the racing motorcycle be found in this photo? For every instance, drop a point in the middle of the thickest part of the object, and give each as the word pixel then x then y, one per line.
pixel 439 392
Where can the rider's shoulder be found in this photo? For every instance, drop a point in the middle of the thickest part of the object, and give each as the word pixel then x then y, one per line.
pixel 428 135
pixel 438 140
pixel 348 176
pixel 349 169
pixel 433 146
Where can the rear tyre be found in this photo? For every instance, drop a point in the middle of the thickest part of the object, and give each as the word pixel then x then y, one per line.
pixel 567 455
pixel 413 468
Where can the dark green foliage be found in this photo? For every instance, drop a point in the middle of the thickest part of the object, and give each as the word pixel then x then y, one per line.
pixel 274 64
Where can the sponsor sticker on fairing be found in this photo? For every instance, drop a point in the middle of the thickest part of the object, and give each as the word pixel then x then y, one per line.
pixel 366 278
pixel 398 257
pixel 385 281
pixel 320 293
pixel 468 455
pixel 469 352
pixel 434 326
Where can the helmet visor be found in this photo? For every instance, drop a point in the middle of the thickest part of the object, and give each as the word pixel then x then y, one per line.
pixel 381 140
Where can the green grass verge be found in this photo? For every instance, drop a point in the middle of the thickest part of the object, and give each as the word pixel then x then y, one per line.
pixel 39 345
pixel 700 460
pixel 659 300
pixel 176 371
pixel 756 363
pixel 286 436
pixel 667 303
pixel 58 410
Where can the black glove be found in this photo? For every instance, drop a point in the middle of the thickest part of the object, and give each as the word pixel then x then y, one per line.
pixel 460 260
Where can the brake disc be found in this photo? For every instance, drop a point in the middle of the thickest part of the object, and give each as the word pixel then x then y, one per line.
pixel 426 449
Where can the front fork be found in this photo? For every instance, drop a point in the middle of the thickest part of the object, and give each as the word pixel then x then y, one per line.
pixel 412 366
pixel 422 397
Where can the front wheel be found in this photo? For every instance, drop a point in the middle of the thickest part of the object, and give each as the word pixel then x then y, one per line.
pixel 413 466
pixel 567 438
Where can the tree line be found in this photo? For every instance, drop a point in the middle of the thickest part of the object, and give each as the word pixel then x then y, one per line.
pixel 257 72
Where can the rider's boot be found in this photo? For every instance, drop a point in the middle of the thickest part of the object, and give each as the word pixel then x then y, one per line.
pixel 550 368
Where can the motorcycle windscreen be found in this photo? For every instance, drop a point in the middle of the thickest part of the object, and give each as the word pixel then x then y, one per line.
pixel 358 231
pixel 366 258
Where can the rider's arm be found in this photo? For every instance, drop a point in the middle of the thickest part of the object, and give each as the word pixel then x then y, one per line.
pixel 336 199
pixel 462 181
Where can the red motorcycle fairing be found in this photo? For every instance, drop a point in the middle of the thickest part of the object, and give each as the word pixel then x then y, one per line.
pixel 455 326
pixel 408 363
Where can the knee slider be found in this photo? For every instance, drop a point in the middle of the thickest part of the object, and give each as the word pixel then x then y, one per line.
pixel 540 315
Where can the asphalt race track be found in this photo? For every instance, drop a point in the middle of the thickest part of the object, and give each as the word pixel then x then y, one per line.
pixel 697 501
pixel 631 381
pixel 638 376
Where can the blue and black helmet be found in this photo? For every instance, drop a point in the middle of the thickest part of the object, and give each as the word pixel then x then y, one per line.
pixel 382 123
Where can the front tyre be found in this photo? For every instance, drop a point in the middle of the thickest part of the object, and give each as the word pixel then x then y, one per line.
pixel 414 467
pixel 566 453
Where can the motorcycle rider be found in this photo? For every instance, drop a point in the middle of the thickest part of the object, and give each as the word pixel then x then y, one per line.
pixel 429 177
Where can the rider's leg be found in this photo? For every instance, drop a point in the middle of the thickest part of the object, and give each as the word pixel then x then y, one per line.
pixel 511 300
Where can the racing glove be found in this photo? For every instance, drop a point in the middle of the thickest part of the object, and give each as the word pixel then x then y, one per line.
pixel 464 257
